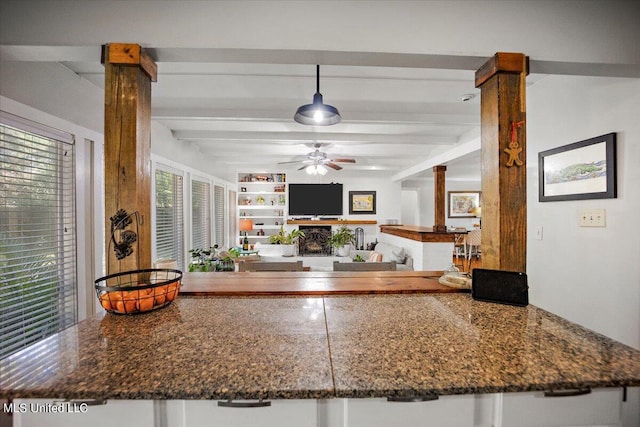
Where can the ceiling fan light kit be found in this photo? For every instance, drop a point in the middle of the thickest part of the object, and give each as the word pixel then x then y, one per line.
pixel 317 113
pixel 316 169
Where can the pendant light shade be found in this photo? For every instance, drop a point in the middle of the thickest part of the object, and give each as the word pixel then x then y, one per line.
pixel 317 114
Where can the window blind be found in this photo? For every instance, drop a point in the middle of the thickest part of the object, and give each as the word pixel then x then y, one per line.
pixel 233 225
pixel 200 214
pixel 169 217
pixel 219 215
pixel 38 278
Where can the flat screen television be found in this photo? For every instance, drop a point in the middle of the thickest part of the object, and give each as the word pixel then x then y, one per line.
pixel 315 199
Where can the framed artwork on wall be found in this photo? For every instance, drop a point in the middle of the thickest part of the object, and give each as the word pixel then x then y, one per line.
pixel 464 204
pixel 362 202
pixel 582 170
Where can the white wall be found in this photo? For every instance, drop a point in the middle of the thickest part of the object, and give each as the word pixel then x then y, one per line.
pixel 588 275
pixel 425 200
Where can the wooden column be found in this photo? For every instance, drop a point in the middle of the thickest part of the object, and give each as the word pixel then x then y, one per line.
pixel 504 192
pixel 129 72
pixel 439 198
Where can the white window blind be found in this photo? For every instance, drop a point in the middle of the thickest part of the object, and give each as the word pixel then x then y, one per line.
pixel 200 214
pixel 233 225
pixel 38 278
pixel 219 214
pixel 169 217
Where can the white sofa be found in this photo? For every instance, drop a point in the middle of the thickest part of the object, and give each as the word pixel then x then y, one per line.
pixel 389 252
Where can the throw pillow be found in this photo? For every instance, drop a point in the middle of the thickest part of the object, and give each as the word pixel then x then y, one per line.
pixel 375 257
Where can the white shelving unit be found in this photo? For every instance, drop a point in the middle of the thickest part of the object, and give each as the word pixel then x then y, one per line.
pixel 262 198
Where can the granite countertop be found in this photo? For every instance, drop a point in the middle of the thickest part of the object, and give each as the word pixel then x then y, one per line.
pixel 318 347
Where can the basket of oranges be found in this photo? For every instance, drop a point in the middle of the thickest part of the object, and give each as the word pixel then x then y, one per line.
pixel 138 291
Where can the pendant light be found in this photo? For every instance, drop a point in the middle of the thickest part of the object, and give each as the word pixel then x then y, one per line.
pixel 317 114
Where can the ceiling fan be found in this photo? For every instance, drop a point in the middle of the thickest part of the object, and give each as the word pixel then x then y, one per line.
pixel 316 160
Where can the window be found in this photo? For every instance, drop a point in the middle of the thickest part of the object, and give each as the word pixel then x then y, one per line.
pixel 169 217
pixel 200 214
pixel 38 278
pixel 219 219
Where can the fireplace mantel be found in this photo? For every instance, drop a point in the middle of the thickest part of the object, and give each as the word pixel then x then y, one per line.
pixel 331 222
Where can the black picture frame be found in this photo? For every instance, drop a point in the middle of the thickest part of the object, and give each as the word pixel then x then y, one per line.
pixel 579 171
pixel 362 202
pixel 463 204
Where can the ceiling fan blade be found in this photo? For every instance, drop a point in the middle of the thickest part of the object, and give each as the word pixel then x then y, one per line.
pixel 333 166
pixel 344 160
pixel 293 161
pixel 302 168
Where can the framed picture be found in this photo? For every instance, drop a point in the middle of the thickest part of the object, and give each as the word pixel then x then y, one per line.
pixel 362 202
pixel 582 170
pixel 463 204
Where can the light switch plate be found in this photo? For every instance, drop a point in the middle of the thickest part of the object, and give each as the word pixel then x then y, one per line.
pixel 592 218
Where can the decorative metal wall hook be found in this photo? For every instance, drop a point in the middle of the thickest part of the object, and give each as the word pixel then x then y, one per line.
pixel 121 238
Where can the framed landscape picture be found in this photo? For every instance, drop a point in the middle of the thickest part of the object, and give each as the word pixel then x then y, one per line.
pixel 582 170
pixel 362 202
pixel 463 204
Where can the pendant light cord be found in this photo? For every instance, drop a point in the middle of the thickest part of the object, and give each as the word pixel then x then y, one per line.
pixel 317 78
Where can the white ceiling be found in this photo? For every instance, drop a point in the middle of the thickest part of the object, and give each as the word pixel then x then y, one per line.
pixel 232 73
pixel 242 114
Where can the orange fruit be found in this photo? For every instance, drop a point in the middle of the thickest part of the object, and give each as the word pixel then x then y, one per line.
pixel 172 292
pixel 119 306
pixel 130 306
pixel 146 303
pixel 105 302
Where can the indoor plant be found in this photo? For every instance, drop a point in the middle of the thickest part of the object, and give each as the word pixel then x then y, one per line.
pixel 342 240
pixel 287 239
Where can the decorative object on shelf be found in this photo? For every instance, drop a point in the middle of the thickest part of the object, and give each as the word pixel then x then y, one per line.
pixel 260 200
pixel 317 113
pixel 245 225
pixel 462 204
pixel 342 239
pixel 578 171
pixel 243 189
pixel 359 242
pixel 260 232
pixel 362 202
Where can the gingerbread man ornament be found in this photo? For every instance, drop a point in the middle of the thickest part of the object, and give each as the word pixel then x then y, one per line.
pixel 514 149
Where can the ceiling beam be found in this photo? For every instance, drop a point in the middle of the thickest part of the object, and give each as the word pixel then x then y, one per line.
pixel 304 137
pixel 456 152
pixel 324 57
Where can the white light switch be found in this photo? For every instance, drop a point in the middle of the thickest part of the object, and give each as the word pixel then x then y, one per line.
pixel 539 233
pixel 592 218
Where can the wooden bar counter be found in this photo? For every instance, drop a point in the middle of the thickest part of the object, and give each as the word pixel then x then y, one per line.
pixel 418 233
pixel 290 283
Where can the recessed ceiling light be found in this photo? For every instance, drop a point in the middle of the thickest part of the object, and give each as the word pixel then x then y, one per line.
pixel 467 97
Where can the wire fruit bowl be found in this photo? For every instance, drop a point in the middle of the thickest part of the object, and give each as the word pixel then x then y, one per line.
pixel 138 291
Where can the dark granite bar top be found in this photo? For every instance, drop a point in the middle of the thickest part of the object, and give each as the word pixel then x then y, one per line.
pixel 318 347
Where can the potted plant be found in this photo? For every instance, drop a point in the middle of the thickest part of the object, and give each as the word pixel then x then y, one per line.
pixel 342 240
pixel 287 239
pixel 203 260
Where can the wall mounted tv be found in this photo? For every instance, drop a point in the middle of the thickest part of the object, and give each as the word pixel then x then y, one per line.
pixel 315 199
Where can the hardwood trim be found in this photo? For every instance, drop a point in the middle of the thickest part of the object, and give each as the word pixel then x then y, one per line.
pixel 417 233
pixel 130 54
pixel 502 62
pixel 310 283
pixel 439 202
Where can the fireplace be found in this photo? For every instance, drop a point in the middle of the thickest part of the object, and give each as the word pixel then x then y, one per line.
pixel 315 240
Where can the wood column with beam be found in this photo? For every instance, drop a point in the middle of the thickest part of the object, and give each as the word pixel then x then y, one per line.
pixel 504 191
pixel 439 198
pixel 129 71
